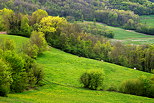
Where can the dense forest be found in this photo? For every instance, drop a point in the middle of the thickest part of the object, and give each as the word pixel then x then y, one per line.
pixel 122 13
pixel 77 8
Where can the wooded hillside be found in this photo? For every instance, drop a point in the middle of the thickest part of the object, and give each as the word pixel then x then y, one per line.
pixel 78 8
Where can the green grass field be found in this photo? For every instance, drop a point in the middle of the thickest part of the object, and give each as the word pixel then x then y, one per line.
pixel 148 20
pixel 18 39
pixel 62 73
pixel 128 36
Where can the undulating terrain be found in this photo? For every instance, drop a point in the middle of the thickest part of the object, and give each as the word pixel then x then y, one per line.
pixel 58 42
pixel 62 73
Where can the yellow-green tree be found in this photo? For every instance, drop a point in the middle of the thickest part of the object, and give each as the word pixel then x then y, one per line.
pixel 6 14
pixel 25 28
pixel 51 24
pixel 38 15
pixel 38 39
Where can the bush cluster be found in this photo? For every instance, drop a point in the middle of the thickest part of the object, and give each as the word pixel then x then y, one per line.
pixel 93 79
pixel 18 71
pixel 142 86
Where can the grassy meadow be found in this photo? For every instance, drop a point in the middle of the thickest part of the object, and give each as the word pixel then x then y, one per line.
pixel 62 73
pixel 148 20
pixel 18 39
pixel 128 36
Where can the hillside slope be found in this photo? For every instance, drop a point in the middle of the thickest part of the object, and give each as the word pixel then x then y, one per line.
pixel 127 36
pixel 62 73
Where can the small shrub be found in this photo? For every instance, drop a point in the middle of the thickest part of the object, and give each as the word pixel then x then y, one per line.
pixel 133 86
pixel 92 79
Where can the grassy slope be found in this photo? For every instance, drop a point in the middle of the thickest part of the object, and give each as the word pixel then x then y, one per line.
pixel 66 69
pixel 129 37
pixel 149 20
pixel 18 39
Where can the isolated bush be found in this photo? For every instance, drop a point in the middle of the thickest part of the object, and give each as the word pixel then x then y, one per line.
pixel 38 39
pixel 92 79
pixel 5 78
pixel 132 86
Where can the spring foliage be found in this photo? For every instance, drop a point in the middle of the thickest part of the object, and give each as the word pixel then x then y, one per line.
pixel 92 79
pixel 18 71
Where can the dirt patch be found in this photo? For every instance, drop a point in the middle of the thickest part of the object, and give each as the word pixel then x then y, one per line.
pixel 3 32
pixel 129 30
pixel 138 40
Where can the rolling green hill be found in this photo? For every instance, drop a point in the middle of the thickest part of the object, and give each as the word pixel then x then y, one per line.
pixel 148 20
pixel 128 36
pixel 62 73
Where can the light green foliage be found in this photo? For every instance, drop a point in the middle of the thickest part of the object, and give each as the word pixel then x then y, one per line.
pixel 25 28
pixel 142 86
pixel 38 73
pixel 92 28
pixel 51 24
pixel 20 82
pixel 14 60
pixel 133 86
pixel 149 53
pixel 18 72
pixel 25 73
pixel 130 24
pixel 5 78
pixel 38 15
pixel 30 49
pixel 92 79
pixel 1 21
pixel 38 38
pixel 115 17
pixel 7 44
pixel 6 14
